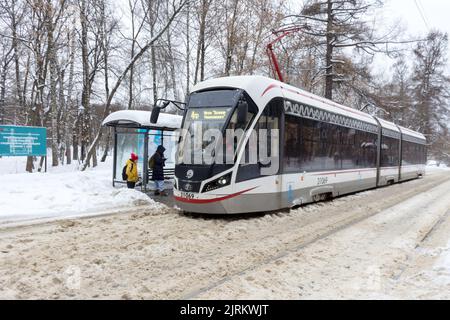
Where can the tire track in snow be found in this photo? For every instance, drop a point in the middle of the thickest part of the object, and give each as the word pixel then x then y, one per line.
pixel 207 251
pixel 341 225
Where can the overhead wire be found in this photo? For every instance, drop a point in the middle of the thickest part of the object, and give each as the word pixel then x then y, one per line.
pixel 422 13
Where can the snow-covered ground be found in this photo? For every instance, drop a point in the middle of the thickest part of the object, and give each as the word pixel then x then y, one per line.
pixel 433 166
pixel 387 243
pixel 401 253
pixel 62 192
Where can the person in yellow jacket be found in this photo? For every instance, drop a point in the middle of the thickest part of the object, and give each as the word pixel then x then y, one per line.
pixel 132 171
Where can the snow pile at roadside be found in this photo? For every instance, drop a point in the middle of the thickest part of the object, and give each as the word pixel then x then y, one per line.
pixel 433 166
pixel 440 272
pixel 395 254
pixel 63 192
pixel 9 165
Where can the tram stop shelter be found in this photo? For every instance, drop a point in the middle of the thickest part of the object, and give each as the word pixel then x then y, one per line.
pixel 133 132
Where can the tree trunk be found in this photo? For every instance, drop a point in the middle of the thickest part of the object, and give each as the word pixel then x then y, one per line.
pixel 172 67
pixel 231 39
pixel 105 152
pixel 85 96
pixel 70 108
pixel 75 148
pixel 133 44
pixel 16 55
pixel 154 73
pixel 329 53
pixel 188 49
pixel 2 93
pixel 53 78
pixel 94 158
pixel 30 165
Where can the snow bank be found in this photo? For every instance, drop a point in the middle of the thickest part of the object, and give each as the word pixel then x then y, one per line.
pixel 12 165
pixel 440 272
pixel 434 167
pixel 63 192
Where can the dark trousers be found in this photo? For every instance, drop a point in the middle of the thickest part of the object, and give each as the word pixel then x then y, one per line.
pixel 131 185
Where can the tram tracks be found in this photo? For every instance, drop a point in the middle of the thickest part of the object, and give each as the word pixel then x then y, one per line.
pixel 317 235
pixel 179 256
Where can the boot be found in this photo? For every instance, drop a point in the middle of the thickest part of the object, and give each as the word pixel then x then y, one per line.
pixel 157 193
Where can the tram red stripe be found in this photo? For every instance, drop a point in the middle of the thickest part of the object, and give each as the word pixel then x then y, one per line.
pixel 272 86
pixel 343 172
pixel 360 170
pixel 203 201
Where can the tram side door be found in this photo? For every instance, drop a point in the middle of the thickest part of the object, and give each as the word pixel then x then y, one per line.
pixel 266 151
pixel 272 117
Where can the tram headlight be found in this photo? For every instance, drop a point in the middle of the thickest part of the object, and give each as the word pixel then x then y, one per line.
pixel 218 183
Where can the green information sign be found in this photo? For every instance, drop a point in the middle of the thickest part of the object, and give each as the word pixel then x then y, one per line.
pixel 18 141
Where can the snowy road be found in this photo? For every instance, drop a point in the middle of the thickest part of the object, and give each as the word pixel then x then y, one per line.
pixel 387 243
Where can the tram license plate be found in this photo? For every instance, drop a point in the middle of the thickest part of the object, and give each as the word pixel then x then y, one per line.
pixel 187 195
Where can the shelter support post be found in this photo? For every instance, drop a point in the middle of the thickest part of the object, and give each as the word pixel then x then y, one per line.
pixel 145 174
pixel 115 157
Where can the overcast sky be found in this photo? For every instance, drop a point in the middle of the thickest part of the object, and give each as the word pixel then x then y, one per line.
pixel 435 14
pixel 420 16
pixel 417 17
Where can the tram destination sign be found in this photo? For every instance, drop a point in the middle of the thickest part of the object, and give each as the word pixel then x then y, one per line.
pixel 17 141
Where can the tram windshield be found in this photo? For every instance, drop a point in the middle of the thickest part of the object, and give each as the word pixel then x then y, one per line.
pixel 207 119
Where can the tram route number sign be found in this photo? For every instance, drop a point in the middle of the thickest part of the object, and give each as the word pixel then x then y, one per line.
pixel 18 141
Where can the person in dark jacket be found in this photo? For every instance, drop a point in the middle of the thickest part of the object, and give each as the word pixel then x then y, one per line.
pixel 157 166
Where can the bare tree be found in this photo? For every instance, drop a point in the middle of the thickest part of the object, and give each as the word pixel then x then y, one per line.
pixel 176 8
pixel 431 86
pixel 338 25
pixel 203 10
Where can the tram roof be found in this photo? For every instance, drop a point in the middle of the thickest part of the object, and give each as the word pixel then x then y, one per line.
pixel 263 89
pixel 412 133
pixel 388 125
pixel 405 131
pixel 141 119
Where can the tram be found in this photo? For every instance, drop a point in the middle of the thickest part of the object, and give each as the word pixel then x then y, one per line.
pixel 293 148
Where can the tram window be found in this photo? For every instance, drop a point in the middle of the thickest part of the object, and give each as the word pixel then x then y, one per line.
pixel 348 152
pixel 406 159
pixel 269 120
pixel 311 146
pixel 424 154
pixel 292 144
pixel 230 147
pixel 389 152
pixel 413 153
pixel 252 111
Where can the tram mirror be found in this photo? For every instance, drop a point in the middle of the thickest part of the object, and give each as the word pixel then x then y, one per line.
pixel 155 114
pixel 242 113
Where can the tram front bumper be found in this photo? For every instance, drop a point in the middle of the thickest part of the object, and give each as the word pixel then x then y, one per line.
pixel 211 208
pixel 226 203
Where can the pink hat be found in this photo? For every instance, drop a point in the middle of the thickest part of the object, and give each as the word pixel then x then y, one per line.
pixel 134 157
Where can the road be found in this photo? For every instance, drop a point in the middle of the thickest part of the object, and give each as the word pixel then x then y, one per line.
pixel 383 243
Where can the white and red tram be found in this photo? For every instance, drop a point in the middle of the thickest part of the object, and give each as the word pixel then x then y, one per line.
pixel 322 149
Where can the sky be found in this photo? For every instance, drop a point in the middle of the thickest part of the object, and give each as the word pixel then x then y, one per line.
pixel 435 14
pixel 418 17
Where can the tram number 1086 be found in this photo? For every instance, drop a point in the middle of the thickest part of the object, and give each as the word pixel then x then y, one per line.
pixel 187 195
pixel 322 181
